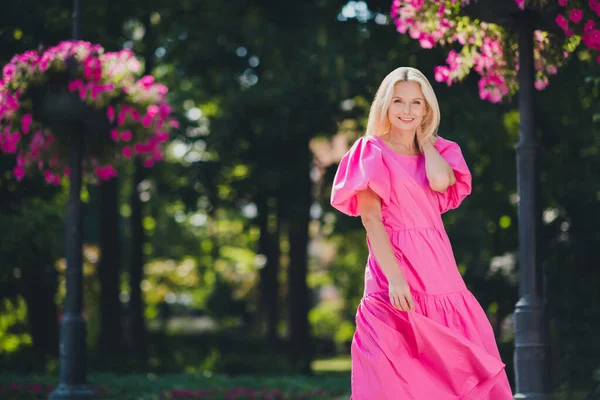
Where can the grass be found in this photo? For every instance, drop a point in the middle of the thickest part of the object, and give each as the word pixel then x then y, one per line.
pixel 331 382
pixel 339 364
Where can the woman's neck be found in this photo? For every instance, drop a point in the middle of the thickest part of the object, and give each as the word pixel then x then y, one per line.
pixel 404 141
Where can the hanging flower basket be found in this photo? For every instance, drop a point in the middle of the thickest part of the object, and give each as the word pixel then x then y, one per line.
pixel 75 88
pixel 491 50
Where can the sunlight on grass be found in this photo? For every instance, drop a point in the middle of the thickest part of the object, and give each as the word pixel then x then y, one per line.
pixel 334 364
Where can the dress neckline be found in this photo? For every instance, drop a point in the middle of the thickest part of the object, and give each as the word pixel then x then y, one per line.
pixel 388 148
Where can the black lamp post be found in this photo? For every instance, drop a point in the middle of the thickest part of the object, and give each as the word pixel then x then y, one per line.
pixel 532 346
pixel 72 349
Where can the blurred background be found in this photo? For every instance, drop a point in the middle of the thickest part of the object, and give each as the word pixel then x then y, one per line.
pixel 226 259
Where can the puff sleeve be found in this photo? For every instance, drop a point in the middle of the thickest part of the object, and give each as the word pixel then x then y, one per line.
pixel 456 193
pixel 361 167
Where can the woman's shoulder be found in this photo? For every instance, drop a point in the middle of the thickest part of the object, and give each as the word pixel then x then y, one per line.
pixel 443 144
pixel 366 140
pixel 367 143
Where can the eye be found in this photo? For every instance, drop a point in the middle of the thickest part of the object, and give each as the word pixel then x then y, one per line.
pixel 397 101
pixel 417 102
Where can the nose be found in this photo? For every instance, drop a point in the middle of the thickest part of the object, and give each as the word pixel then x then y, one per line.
pixel 406 107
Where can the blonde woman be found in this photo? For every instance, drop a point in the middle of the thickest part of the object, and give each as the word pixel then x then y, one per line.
pixel 420 334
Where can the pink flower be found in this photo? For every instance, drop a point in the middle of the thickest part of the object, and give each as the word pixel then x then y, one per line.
pixel 427 42
pixel 165 110
pixel 442 74
pixel 8 71
pixel 592 39
pixel 140 148
pixel 414 33
pixel 95 91
pixel 92 69
pixel 44 65
pixel 134 114
pixel 401 26
pixel 110 113
pixel 576 15
pixel 106 172
pixel 562 21
pixel 161 89
pixel 589 26
pixel 453 60
pixel 541 84
pixel 114 134
pixel 149 163
pixel 562 3
pixel 442 9
pixel 10 141
pixel 520 4
pixel 146 81
pixel 151 112
pixel 162 136
pixel 126 152
pixel 48 177
pixel 147 120
pixel 122 115
pixel 126 136
pixel 76 84
pixel 19 172
pixel 25 123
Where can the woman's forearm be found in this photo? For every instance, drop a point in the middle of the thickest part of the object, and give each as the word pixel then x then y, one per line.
pixel 438 171
pixel 383 250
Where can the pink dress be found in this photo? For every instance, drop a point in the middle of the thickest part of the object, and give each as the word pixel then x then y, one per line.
pixel 446 349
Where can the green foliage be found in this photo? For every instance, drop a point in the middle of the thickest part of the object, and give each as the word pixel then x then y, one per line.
pixel 13 333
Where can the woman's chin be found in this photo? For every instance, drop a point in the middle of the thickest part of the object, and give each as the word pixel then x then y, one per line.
pixel 408 128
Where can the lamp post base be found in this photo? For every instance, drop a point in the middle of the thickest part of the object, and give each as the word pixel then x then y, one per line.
pixel 532 396
pixel 72 392
pixel 532 350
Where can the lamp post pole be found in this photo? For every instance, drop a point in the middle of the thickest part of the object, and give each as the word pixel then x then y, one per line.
pixel 532 348
pixel 72 348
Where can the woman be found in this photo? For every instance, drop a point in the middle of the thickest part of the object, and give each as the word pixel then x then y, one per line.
pixel 420 334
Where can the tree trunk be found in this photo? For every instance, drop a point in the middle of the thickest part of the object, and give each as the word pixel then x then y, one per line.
pixel 268 221
pixel 39 287
pixel 109 273
pixel 139 338
pixel 297 211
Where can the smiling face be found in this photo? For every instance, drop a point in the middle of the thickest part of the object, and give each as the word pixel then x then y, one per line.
pixel 407 107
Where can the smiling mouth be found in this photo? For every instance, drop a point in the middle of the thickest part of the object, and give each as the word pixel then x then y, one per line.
pixel 406 119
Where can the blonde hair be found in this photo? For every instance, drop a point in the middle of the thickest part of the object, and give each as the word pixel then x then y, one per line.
pixel 379 123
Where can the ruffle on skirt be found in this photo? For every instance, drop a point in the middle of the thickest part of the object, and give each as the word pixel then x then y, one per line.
pixel 438 352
